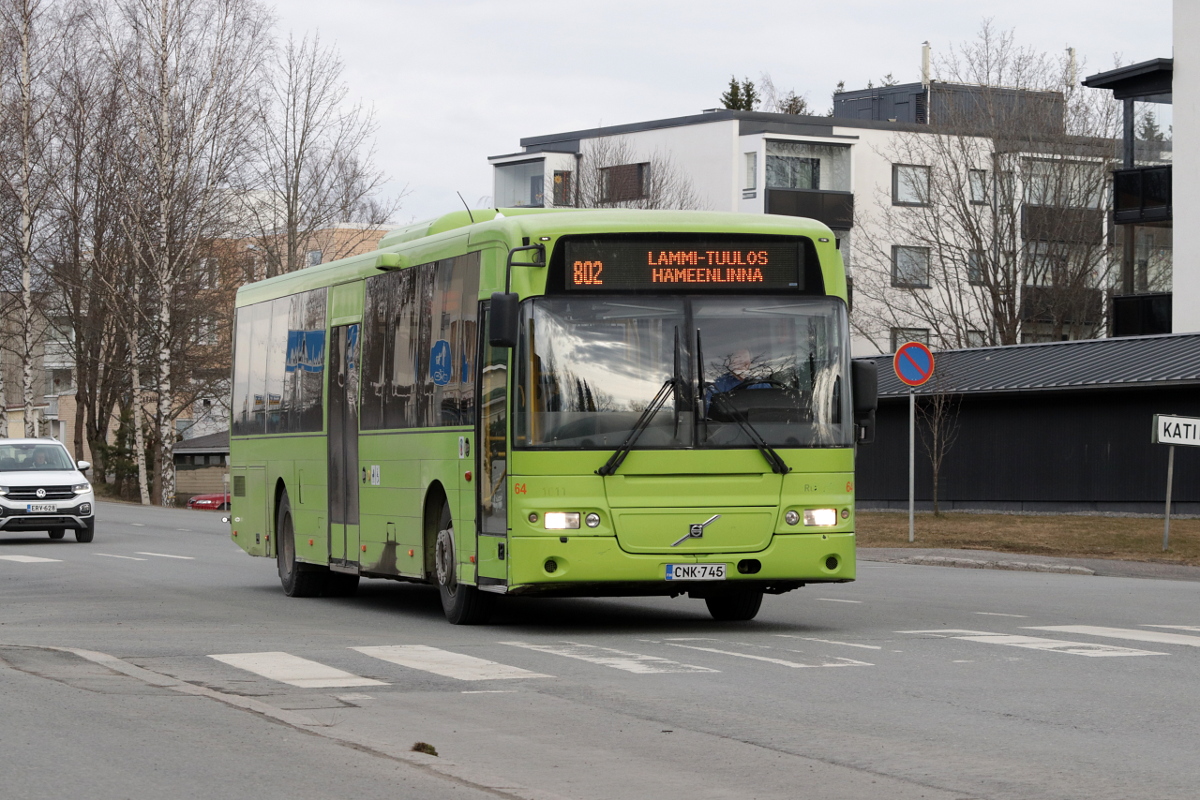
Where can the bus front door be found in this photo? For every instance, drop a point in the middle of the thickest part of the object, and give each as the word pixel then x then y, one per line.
pixel 343 449
pixel 492 466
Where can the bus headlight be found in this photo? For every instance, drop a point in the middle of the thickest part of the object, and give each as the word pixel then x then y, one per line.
pixel 792 518
pixel 561 520
pixel 820 517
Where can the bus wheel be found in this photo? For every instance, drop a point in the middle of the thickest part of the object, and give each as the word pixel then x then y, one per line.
pixel 735 605
pixel 299 580
pixel 463 605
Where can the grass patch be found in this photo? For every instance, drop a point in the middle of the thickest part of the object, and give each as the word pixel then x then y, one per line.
pixel 1128 538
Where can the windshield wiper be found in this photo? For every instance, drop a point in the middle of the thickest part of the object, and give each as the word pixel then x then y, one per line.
pixel 643 422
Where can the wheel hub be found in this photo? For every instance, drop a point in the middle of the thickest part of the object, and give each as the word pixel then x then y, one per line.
pixel 443 558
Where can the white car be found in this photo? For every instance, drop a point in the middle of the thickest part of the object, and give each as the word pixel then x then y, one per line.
pixel 42 489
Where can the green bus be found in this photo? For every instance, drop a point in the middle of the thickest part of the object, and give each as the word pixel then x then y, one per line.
pixel 556 402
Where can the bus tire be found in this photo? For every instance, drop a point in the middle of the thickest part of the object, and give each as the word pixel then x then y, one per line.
pixel 735 605
pixel 462 605
pixel 298 579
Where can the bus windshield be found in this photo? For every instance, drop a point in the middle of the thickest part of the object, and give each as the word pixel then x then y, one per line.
pixel 738 368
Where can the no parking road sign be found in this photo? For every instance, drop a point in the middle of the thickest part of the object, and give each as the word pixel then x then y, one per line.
pixel 913 363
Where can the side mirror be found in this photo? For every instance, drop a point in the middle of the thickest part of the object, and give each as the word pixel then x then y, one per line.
pixel 864 377
pixel 503 319
pixel 83 466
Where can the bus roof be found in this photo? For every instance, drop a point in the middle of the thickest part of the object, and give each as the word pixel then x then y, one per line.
pixel 511 225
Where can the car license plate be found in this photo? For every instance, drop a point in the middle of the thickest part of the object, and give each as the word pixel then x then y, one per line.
pixel 41 508
pixel 695 572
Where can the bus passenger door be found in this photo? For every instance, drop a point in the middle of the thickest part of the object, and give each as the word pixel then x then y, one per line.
pixel 343 448
pixel 492 465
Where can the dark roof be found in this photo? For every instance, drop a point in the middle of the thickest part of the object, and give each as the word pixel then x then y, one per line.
pixel 1147 79
pixel 212 443
pixel 1128 362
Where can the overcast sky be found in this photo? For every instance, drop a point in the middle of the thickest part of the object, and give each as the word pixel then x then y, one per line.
pixel 453 82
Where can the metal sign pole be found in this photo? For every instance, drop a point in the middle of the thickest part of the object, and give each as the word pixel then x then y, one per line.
pixel 912 448
pixel 1167 513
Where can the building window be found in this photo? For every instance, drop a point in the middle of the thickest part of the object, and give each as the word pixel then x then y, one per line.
pixel 902 335
pixel 910 185
pixel 206 273
pixel 562 188
pixel 976 339
pixel 312 258
pixel 977 180
pixel 624 182
pixel 800 165
pixel 910 267
pixel 521 185
pixel 976 264
pixel 751 181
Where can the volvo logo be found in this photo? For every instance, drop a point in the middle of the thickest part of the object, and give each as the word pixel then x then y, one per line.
pixel 696 529
pixel 42 493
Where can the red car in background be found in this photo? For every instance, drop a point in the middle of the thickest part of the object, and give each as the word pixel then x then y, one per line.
pixel 211 502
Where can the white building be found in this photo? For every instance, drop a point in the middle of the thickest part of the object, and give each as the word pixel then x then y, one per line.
pixel 846 171
pixel 1186 168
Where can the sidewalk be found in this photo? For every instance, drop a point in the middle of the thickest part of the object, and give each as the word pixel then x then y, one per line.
pixel 990 559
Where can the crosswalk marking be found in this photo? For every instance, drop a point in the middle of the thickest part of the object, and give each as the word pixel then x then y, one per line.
pixel 446 663
pixel 293 670
pixel 838 661
pixel 167 555
pixel 29 559
pixel 609 657
pixel 1036 643
pixel 1194 628
pixel 1133 635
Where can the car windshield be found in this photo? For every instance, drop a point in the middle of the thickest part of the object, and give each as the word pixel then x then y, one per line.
pixel 735 366
pixel 28 457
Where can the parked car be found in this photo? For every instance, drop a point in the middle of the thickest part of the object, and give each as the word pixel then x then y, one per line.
pixel 42 489
pixel 216 502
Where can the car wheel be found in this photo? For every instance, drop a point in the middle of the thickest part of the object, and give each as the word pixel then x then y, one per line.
pixel 298 579
pixel 85 535
pixel 462 605
pixel 735 605
pixel 58 534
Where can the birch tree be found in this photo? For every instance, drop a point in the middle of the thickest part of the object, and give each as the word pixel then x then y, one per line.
pixel 613 173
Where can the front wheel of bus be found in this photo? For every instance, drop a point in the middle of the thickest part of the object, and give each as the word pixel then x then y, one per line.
pixel 299 580
pixel 463 605
pixel 736 605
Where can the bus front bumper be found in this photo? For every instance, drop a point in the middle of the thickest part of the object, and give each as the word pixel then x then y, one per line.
pixel 596 565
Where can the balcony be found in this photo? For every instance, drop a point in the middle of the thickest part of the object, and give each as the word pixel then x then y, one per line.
pixel 1083 226
pixel 835 209
pixel 1142 195
pixel 1056 304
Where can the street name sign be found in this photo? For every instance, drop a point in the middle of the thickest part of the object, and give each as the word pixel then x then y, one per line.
pixel 1176 430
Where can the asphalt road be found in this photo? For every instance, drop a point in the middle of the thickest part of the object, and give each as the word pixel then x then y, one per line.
pixel 161 661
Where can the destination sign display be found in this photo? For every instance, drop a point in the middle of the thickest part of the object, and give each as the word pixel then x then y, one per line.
pixel 684 265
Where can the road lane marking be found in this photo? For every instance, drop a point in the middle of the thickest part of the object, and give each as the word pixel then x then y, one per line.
pixel 138 524
pixel 1133 635
pixel 1035 643
pixel 837 600
pixel 609 657
pixel 998 614
pixel 29 559
pixel 446 663
pixel 113 555
pixel 839 662
pixel 829 641
pixel 166 555
pixel 293 670
pixel 488 691
pixel 1193 628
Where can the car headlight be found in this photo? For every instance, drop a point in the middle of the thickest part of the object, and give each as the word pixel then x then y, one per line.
pixel 3 490
pixel 820 517
pixel 80 488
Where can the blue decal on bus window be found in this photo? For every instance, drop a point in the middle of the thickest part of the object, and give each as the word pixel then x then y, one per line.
pixel 439 362
pixel 305 351
pixel 351 346
pixel 466 370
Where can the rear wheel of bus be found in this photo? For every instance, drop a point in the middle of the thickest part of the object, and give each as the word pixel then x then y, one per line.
pixel 735 605
pixel 298 579
pixel 463 605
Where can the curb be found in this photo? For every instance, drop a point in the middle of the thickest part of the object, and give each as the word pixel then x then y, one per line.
pixel 974 563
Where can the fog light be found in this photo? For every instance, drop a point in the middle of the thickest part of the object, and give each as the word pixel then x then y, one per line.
pixel 820 517
pixel 792 518
pixel 562 520
pixel 85 508
pixel 592 520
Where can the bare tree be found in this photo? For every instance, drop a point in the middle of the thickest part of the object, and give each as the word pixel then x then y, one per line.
pixel 992 231
pixel 778 101
pixel 937 408
pixel 313 168
pixel 612 173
